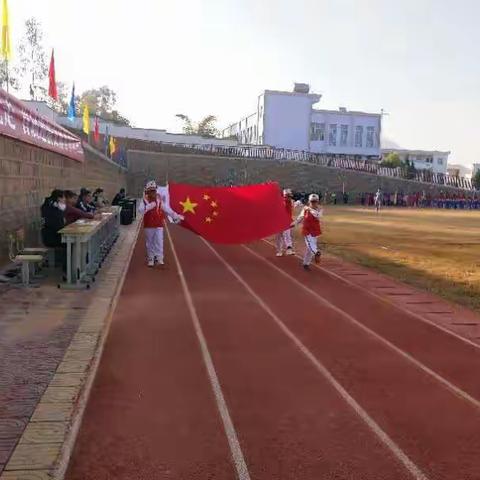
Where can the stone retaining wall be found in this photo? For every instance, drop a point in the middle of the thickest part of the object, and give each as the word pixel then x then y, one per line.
pixel 215 170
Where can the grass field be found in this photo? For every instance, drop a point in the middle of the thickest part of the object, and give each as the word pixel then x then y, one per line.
pixel 437 250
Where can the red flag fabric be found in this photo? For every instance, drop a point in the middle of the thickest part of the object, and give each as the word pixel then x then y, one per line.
pixel 96 132
pixel 231 215
pixel 52 84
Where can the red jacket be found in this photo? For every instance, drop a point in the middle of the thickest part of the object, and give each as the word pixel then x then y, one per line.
pixel 154 217
pixel 288 205
pixel 72 214
pixel 311 225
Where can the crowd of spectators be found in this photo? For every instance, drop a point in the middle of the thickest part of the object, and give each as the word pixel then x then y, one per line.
pixel 423 200
pixel 64 207
pixel 398 199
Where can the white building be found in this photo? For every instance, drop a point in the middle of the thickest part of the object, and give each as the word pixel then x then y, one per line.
pixel 289 120
pixel 475 169
pixel 433 160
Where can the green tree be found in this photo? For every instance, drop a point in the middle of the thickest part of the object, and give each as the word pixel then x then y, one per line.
pixel 410 170
pixel 33 60
pixel 476 180
pixel 392 160
pixel 13 75
pixel 204 128
pixel 102 101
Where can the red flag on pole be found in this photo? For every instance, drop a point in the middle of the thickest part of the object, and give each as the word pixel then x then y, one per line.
pixel 52 84
pixel 96 132
pixel 231 215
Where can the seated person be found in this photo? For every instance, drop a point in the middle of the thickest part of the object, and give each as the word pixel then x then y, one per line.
pixel 99 199
pixel 85 201
pixel 72 213
pixel 53 216
pixel 119 197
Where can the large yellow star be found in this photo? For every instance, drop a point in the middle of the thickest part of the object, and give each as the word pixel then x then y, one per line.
pixel 188 206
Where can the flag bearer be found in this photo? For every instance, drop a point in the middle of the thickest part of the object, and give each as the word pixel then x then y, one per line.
pixel 311 230
pixel 284 239
pixel 153 220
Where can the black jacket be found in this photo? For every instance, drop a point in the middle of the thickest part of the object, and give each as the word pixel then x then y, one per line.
pixel 118 198
pixel 53 221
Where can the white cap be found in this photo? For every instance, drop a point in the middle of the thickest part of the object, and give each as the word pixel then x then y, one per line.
pixel 313 197
pixel 152 185
pixel 287 191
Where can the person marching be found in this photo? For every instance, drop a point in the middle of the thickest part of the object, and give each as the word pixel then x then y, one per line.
pixel 311 230
pixel 378 200
pixel 154 211
pixel 284 239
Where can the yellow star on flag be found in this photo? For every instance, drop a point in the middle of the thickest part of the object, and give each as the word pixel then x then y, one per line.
pixel 206 197
pixel 188 206
pixel 214 204
pixel 208 220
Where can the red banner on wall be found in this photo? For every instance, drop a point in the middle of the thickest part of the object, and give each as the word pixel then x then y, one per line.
pixel 18 121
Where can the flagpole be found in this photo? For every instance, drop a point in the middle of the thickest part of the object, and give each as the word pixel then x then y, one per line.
pixel 7 75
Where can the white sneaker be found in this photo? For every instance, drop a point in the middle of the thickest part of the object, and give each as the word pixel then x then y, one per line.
pixel 151 263
pixel 290 251
pixel 160 262
pixel 279 254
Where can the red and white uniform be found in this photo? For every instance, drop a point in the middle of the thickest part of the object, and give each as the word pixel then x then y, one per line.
pixel 284 239
pixel 153 222
pixel 311 230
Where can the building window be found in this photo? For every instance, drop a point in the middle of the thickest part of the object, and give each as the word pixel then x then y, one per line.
pixel 332 135
pixel 317 132
pixel 359 136
pixel 343 135
pixel 370 137
pixel 440 161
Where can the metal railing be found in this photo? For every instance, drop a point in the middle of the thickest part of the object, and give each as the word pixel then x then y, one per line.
pixel 345 162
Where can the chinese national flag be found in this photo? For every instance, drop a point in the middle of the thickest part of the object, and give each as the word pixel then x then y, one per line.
pixel 52 83
pixel 231 215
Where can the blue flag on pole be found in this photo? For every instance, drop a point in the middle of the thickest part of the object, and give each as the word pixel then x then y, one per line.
pixel 71 106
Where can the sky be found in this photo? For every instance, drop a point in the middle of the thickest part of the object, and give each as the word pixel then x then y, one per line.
pixel 415 59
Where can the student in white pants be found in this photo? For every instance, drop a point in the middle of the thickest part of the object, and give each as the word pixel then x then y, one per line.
pixel 154 211
pixel 284 239
pixel 311 230
pixel 284 243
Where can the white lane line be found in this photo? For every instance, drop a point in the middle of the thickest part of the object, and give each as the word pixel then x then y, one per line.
pixel 369 421
pixel 231 434
pixel 392 303
pixel 450 386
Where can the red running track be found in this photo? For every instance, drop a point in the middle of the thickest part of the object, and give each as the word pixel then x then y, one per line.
pixel 245 366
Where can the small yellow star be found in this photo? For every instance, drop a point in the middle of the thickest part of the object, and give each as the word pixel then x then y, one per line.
pixel 215 214
pixel 206 197
pixel 188 206
pixel 214 204
pixel 208 220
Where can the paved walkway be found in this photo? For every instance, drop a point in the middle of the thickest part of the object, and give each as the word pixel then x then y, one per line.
pixel 48 338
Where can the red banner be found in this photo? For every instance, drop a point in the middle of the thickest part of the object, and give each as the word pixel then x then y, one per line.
pixel 19 122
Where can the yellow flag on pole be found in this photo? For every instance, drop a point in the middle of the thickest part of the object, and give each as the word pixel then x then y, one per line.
pixel 113 147
pixel 6 44
pixel 86 120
